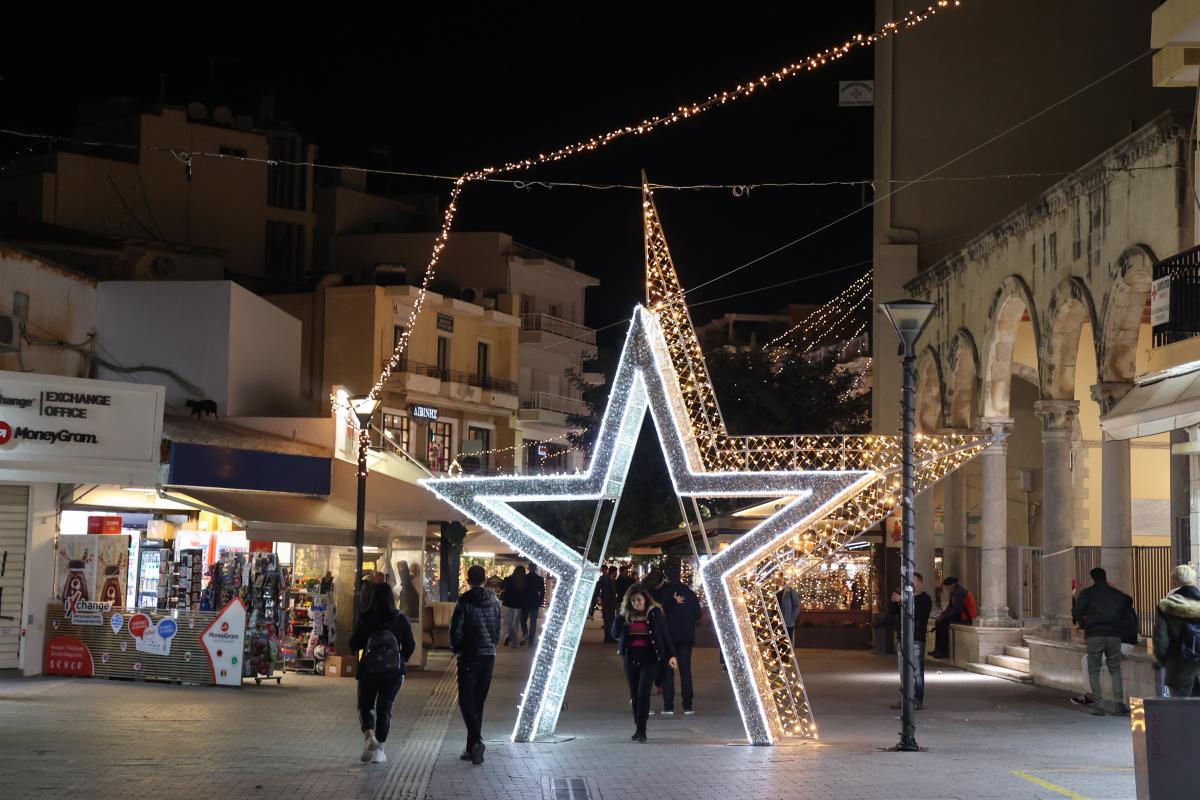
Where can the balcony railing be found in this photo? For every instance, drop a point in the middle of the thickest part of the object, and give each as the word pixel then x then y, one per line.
pixel 557 403
pixel 559 327
pixel 454 376
pixel 1184 322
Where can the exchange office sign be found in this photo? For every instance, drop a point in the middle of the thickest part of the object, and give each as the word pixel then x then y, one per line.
pixel 68 429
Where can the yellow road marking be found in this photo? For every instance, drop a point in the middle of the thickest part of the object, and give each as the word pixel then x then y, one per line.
pixel 1054 787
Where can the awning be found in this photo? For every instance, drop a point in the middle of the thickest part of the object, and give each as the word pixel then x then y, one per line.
pixel 276 517
pixel 1159 407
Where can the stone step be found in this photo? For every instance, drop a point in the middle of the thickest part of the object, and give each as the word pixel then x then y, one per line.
pixel 999 672
pixel 1016 652
pixel 1010 662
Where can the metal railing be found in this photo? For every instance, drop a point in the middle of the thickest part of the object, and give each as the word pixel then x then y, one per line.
pixel 553 402
pixel 559 327
pixel 1151 578
pixel 1184 271
pixel 455 376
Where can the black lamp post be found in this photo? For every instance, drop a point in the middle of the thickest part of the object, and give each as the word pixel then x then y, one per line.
pixel 364 407
pixel 909 318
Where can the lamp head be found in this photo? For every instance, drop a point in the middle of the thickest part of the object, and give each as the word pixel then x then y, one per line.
pixel 364 407
pixel 908 318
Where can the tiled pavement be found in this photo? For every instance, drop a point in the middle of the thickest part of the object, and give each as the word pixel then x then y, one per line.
pixel 987 739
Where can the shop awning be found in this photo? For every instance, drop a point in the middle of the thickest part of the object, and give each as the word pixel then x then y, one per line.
pixel 276 517
pixel 1159 407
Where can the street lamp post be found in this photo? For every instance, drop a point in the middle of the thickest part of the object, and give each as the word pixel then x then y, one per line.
pixel 908 318
pixel 363 407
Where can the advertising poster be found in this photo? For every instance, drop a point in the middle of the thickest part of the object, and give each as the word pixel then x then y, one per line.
pixel 75 567
pixel 112 569
pixel 182 647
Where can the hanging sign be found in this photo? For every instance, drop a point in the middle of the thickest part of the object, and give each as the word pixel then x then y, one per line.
pixel 445 322
pixel 1160 301
pixel 856 93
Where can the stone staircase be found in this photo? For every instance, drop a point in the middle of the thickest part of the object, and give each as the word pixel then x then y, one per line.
pixel 1012 666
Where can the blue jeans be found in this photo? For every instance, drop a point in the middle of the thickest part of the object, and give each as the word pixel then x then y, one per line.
pixel 919 682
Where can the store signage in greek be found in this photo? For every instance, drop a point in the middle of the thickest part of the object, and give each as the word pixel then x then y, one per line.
pixel 1160 301
pixel 423 412
pixel 77 423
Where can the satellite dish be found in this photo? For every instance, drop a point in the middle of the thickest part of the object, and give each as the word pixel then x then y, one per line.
pixel 223 115
pixel 196 111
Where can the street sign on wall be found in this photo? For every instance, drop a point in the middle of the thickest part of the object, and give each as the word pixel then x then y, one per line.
pixel 856 93
pixel 1160 301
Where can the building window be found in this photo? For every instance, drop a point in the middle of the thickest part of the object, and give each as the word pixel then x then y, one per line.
pixel 553 310
pixel 395 429
pixel 286 181
pixel 397 334
pixel 443 356
pixel 527 304
pixel 284 250
pixel 482 364
pixel 440 448
pixel 483 436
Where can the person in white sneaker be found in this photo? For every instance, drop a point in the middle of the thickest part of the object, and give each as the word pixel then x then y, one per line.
pixel 386 640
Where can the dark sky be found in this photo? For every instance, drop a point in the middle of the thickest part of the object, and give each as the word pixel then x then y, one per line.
pixel 464 87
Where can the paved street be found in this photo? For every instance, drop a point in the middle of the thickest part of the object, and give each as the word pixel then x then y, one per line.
pixel 987 739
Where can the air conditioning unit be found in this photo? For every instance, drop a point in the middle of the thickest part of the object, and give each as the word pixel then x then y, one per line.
pixel 489 303
pixel 10 333
pixel 471 295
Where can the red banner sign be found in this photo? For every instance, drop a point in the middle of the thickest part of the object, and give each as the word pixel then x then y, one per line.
pixel 67 655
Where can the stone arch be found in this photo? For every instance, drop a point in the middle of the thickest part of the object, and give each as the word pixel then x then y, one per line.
pixel 929 392
pixel 1116 341
pixel 1070 308
pixel 1010 304
pixel 962 382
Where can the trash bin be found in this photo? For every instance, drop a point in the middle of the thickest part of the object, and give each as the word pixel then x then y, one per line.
pixel 881 633
pixel 1164 746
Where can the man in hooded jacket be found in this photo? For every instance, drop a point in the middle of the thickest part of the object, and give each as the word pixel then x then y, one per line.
pixel 474 632
pixel 1177 635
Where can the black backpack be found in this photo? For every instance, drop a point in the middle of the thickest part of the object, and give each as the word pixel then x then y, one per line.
pixel 381 658
pixel 1189 641
pixel 1129 623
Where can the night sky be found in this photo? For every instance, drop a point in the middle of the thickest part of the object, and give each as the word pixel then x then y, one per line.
pixel 469 87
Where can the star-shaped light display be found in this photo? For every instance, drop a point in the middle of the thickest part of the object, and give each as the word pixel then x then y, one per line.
pixel 838 487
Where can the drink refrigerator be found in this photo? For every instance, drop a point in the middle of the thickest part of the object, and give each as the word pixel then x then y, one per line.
pixel 150 557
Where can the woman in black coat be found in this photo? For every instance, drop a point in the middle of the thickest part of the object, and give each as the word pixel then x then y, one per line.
pixel 642 639
pixel 387 639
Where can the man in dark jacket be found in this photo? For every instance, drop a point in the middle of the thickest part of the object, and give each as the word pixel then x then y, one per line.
pixel 682 608
pixel 535 595
pixel 474 632
pixel 606 589
pixel 955 613
pixel 1099 610
pixel 625 580
pixel 922 608
pixel 1177 635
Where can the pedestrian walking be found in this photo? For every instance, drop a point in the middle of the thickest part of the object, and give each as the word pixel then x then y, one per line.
pixel 606 587
pixel 959 610
pixel 513 599
pixel 682 610
pixel 535 595
pixel 624 581
pixel 1100 611
pixel 642 639
pixel 386 639
pixel 789 609
pixel 474 632
pixel 1177 635
pixel 922 608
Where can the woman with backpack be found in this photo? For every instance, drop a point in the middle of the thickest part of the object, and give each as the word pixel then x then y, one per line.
pixel 645 643
pixel 386 641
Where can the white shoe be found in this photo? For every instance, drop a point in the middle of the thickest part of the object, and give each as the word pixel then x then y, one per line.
pixel 688 713
pixel 379 757
pixel 668 713
pixel 370 745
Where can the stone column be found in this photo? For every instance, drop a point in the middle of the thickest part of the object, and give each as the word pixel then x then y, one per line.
pixel 1181 499
pixel 923 551
pixel 1116 512
pixel 993 589
pixel 954 522
pixel 1058 512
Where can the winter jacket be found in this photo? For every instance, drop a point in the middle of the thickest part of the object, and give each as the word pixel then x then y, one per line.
pixel 1100 609
pixel 789 606
pixel 535 590
pixel 475 624
pixel 956 606
pixel 1177 608
pixel 368 624
pixel 660 638
pixel 922 608
pixel 606 590
pixel 513 594
pixel 682 609
pixel 621 586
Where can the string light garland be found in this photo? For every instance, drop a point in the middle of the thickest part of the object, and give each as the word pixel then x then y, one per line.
pixel 456 467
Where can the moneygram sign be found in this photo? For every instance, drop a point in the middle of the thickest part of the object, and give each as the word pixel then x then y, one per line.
pixel 74 429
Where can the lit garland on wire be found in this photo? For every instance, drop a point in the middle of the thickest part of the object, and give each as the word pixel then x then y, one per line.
pixel 910 20
pixel 456 467
pixel 819 324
